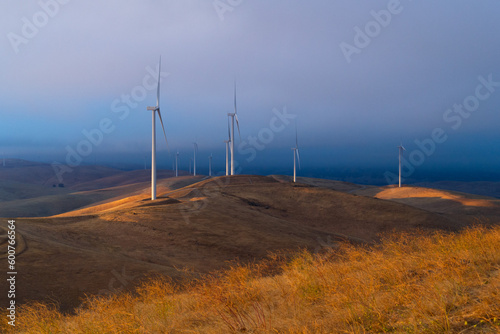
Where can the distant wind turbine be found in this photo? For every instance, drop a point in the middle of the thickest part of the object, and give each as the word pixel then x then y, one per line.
pixel 401 150
pixel 190 163
pixel 234 116
pixel 296 156
pixel 154 110
pixel 194 161
pixel 210 165
pixel 227 146
pixel 177 164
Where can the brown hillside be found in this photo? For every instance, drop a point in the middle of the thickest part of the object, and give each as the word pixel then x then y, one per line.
pixel 125 178
pixel 460 207
pixel 199 227
pixel 43 174
pixel 31 200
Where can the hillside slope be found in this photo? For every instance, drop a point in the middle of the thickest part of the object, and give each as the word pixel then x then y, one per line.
pixel 200 227
pixel 409 283
pixel 38 173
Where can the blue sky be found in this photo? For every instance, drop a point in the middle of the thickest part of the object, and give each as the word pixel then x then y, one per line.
pixel 360 77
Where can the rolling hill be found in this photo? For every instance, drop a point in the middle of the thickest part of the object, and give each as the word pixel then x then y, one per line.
pixel 115 237
pixel 31 189
pixel 38 173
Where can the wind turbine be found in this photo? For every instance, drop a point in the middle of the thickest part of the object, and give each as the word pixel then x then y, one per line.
pixel 296 156
pixel 153 144
pixel 401 150
pixel 190 163
pixel 233 117
pixel 210 165
pixel 177 164
pixel 227 146
pixel 194 161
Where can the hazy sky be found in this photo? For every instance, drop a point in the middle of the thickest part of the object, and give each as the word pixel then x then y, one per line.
pixel 360 77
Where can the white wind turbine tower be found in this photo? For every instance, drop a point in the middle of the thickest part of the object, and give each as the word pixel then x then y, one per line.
pixel 227 146
pixel 177 164
pixel 153 144
pixel 194 161
pixel 210 165
pixel 233 117
pixel 401 150
pixel 296 156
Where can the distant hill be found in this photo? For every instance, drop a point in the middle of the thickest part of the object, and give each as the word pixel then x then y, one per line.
pixel 37 173
pixel 25 200
pixel 479 188
pixel 31 189
pixel 125 178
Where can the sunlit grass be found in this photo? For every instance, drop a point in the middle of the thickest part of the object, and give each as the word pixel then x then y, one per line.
pixel 409 283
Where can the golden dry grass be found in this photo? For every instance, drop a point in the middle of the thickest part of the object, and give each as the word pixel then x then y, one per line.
pixel 409 283
pixel 417 192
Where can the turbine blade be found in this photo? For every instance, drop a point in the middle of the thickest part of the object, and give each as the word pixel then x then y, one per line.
pixel 237 125
pixel 161 121
pixel 296 137
pixel 298 157
pixel 158 90
pixel 235 109
pixel 228 129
